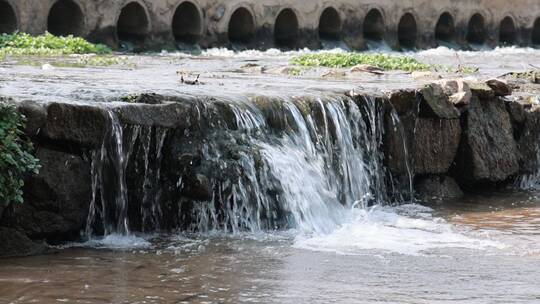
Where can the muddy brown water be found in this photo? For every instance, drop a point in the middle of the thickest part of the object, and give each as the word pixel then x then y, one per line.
pixel 280 268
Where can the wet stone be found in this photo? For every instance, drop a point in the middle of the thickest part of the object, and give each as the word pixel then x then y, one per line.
pixel 481 90
pixel 36 117
pixel 499 87
pixel 403 101
pixel 436 142
pixel 435 103
pixel 81 124
pixel 15 243
pixel 437 187
pixel 489 151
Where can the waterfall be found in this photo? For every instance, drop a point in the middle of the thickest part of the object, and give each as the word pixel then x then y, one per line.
pixel 322 163
pixel 114 202
pixel 275 163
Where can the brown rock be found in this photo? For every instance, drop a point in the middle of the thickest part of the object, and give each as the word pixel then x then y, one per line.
pixel 435 144
pixel 489 151
pixel 438 187
pixel 435 103
pixel 499 87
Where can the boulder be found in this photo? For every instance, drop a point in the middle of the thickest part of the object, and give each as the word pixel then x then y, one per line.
pixel 36 116
pixel 489 152
pixel 403 100
pixel 83 125
pixel 167 115
pixel 437 187
pixel 435 103
pixel 499 87
pixel 56 200
pixel 481 90
pixel 435 144
pixel 15 243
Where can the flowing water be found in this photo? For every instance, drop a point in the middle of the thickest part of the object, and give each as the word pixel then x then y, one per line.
pixel 476 252
pixel 312 217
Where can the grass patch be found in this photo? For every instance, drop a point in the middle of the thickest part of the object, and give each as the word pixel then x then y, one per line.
pixel 382 61
pixel 16 158
pixel 22 44
pixel 343 60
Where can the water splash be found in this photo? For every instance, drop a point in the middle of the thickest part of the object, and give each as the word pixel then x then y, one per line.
pixel 408 229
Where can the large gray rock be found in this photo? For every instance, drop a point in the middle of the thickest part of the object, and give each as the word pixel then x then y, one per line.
pixel 56 201
pixel 489 152
pixel 83 125
pixel 36 117
pixel 437 187
pixel 168 115
pixel 436 142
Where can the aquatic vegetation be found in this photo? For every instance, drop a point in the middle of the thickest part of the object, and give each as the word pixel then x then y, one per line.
pixel 16 159
pixel 101 60
pixel 22 44
pixel 382 61
pixel 343 60
pixel 532 76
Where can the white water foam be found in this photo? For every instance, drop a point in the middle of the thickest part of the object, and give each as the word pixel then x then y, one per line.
pixel 409 229
pixel 115 241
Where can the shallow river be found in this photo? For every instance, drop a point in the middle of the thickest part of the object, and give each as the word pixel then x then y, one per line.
pixel 482 250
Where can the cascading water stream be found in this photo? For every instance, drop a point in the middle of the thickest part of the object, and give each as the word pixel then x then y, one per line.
pixel 319 167
pixel 294 163
pixel 112 151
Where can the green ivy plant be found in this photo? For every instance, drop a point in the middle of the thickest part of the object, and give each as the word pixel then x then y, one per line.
pixel 16 158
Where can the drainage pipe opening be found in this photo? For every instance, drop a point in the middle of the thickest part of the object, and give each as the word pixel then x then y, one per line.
pixel 132 23
pixel 286 29
pixel 241 26
pixel 407 31
pixel 8 19
pixel 535 38
pixel 476 30
pixel 330 24
pixel 374 27
pixel 445 29
pixel 187 23
pixel 507 31
pixel 65 18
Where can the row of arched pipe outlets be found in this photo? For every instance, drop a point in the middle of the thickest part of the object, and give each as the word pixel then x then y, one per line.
pixel 188 27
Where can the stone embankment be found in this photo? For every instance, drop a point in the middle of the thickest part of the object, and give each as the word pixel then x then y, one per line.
pixel 167 154
pixel 156 24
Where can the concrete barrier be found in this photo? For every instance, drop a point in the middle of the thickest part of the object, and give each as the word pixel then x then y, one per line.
pixel 155 24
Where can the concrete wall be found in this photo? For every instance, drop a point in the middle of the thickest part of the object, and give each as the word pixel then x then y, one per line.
pixel 149 23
